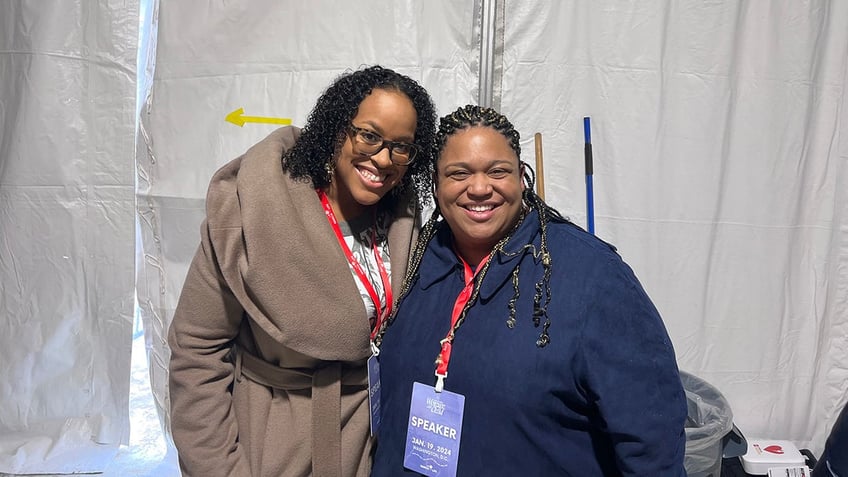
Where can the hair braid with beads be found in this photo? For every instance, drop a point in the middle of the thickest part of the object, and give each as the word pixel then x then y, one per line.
pixel 461 119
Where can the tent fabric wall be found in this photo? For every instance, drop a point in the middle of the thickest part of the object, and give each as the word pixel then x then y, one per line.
pixel 67 103
pixel 719 132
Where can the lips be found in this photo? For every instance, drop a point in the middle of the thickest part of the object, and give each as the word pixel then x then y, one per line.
pixel 480 207
pixel 371 177
pixel 480 212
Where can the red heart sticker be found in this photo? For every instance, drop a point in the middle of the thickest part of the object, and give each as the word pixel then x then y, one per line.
pixel 774 449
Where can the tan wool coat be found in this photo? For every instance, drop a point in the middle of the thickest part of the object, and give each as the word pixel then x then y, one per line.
pixel 270 336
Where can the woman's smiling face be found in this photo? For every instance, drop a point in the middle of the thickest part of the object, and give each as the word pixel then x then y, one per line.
pixel 360 180
pixel 478 189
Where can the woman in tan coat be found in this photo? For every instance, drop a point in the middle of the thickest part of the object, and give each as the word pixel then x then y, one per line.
pixel 304 245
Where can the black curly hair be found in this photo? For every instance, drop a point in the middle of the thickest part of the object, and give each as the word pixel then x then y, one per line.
pixel 326 127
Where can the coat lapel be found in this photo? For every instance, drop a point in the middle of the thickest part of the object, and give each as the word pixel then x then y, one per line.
pixel 296 282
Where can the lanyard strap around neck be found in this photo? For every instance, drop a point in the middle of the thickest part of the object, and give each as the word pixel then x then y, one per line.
pixel 443 360
pixel 357 267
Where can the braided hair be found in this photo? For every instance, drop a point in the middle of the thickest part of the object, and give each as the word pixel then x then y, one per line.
pixel 312 155
pixel 476 116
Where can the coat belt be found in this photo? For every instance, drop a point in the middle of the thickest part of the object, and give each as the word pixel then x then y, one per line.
pixel 325 383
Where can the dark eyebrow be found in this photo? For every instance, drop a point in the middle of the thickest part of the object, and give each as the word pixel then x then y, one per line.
pixel 490 164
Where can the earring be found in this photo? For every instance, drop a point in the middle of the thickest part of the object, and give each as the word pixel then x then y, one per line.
pixel 329 168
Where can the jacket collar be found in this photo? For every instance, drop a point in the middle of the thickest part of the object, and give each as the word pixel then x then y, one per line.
pixel 440 260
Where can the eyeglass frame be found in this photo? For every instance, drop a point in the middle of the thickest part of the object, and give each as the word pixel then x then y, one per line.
pixel 354 133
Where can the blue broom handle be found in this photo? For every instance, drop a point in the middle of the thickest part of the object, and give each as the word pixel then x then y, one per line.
pixel 587 154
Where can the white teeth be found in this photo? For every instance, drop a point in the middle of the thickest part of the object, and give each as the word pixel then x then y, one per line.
pixel 371 176
pixel 480 208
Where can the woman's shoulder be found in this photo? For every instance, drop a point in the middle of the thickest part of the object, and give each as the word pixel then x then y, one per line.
pixel 261 159
pixel 569 235
pixel 269 151
pixel 252 175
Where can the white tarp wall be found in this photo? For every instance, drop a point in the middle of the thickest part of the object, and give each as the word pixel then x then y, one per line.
pixel 720 141
pixel 67 137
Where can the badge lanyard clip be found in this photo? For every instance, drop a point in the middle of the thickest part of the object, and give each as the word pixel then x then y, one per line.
pixel 442 363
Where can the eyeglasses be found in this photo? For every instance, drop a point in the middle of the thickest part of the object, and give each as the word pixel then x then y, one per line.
pixel 370 143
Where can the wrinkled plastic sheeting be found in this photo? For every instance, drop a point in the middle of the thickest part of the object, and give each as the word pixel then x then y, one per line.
pixel 67 98
pixel 57 448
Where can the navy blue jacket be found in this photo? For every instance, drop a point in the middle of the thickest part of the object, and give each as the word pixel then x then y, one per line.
pixel 604 397
pixel 834 459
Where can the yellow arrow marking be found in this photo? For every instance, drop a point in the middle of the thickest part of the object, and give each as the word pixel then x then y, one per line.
pixel 237 117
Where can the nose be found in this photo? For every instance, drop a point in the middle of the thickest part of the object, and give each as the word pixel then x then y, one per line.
pixel 479 186
pixel 383 158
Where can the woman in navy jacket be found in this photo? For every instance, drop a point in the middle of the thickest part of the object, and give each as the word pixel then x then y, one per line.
pixel 523 345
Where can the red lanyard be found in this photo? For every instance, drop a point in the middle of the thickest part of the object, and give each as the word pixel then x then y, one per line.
pixel 444 356
pixel 387 286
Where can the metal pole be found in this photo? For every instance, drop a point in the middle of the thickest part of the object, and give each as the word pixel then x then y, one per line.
pixel 487 53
